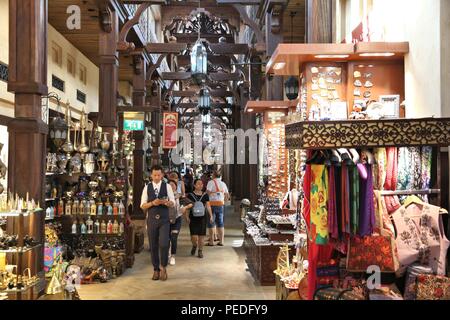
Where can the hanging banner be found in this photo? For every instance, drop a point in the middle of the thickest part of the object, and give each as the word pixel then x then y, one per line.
pixel 170 125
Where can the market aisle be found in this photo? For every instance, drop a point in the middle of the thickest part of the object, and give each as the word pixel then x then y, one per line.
pixel 220 275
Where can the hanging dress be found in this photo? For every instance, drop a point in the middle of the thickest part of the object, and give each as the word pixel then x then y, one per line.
pixel 367 207
pixel 318 203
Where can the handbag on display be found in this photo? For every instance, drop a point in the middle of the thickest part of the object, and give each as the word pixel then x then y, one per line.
pixel 411 276
pixel 331 293
pixel 432 287
pixel 375 250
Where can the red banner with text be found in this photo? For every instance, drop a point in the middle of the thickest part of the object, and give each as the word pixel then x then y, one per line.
pixel 170 125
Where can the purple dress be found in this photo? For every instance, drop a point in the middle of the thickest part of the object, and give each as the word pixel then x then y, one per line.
pixel 366 207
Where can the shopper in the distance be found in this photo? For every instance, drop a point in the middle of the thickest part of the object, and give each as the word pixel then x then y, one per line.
pixel 156 199
pixel 199 215
pixel 175 222
pixel 189 181
pixel 181 190
pixel 218 194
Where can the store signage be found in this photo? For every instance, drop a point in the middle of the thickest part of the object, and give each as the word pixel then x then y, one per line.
pixel 133 121
pixel 170 125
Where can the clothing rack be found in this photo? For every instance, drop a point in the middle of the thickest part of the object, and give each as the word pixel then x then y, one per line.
pixel 409 192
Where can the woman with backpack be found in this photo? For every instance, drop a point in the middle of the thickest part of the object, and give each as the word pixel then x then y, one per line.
pixel 200 214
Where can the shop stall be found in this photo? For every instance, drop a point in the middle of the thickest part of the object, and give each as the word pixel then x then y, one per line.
pixel 370 185
pixel 87 198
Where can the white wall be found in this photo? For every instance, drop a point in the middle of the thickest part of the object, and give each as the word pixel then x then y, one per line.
pixel 72 83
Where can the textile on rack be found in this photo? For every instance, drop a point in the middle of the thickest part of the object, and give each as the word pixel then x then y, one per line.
pixel 354 199
pixel 332 209
pixel 367 206
pixel 318 203
pixel 421 237
pixel 345 201
pixel 380 171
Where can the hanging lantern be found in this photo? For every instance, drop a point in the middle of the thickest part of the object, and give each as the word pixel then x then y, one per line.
pixel 58 131
pixel 291 88
pixel 204 101
pixel 199 62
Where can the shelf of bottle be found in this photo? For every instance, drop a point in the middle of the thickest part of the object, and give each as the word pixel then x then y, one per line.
pixel 21 249
pixel 88 215
pixel 17 214
pixel 97 234
pixel 25 288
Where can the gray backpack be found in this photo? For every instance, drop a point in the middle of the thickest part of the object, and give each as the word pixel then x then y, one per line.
pixel 199 208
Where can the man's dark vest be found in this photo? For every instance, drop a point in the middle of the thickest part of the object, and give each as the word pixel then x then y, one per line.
pixel 162 211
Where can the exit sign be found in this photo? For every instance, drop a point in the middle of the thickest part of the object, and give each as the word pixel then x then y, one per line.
pixel 133 125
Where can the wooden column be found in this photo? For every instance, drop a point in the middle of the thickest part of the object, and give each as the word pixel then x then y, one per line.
pixel 156 126
pixel 139 93
pixel 319 20
pixel 27 132
pixel 109 68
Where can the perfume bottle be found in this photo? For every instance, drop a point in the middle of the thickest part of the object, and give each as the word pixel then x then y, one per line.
pixel 99 208
pixel 115 227
pixel 93 207
pixel 96 227
pixel 109 209
pixel 74 227
pixel 109 227
pixel 69 207
pixel 90 225
pixel 121 228
pixel 87 207
pixel 48 213
pixel 115 207
pixel 81 207
pixel 75 207
pixel 103 227
pixel 53 212
pixel 83 228
pixel 60 208
pixel 121 209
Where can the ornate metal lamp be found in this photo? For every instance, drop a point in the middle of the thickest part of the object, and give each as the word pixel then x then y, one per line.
pixel 291 87
pixel 204 101
pixel 199 61
pixel 58 129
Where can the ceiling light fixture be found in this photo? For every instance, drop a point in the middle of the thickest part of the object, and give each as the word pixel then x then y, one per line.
pixel 332 56
pixel 377 54
pixel 279 65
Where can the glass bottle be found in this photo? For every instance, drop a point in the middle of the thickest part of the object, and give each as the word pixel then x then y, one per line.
pixel 109 227
pixel 83 228
pixel 48 213
pixel 96 227
pixel 81 207
pixel 74 227
pixel 99 208
pixel 109 209
pixel 103 227
pixel 87 207
pixel 90 226
pixel 121 228
pixel 69 207
pixel 60 207
pixel 121 209
pixel 93 210
pixel 75 207
pixel 115 207
pixel 115 227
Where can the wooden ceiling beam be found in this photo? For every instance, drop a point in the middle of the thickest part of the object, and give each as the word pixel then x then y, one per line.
pixel 213 93
pixel 165 48
pixel 229 48
pixel 137 109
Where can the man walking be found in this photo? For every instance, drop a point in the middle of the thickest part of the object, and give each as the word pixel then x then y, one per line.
pixel 218 194
pixel 156 199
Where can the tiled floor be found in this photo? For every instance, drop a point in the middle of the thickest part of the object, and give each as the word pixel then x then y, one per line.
pixel 220 275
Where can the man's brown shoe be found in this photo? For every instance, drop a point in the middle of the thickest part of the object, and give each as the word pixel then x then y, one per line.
pixel 163 276
pixel 156 275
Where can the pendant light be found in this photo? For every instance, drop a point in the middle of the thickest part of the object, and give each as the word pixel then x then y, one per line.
pixel 204 101
pixel 58 128
pixel 199 60
pixel 291 86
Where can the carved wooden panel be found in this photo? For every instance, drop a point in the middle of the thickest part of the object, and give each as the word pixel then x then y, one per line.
pixel 368 133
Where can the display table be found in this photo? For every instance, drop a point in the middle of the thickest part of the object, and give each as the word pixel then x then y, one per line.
pixel 261 258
